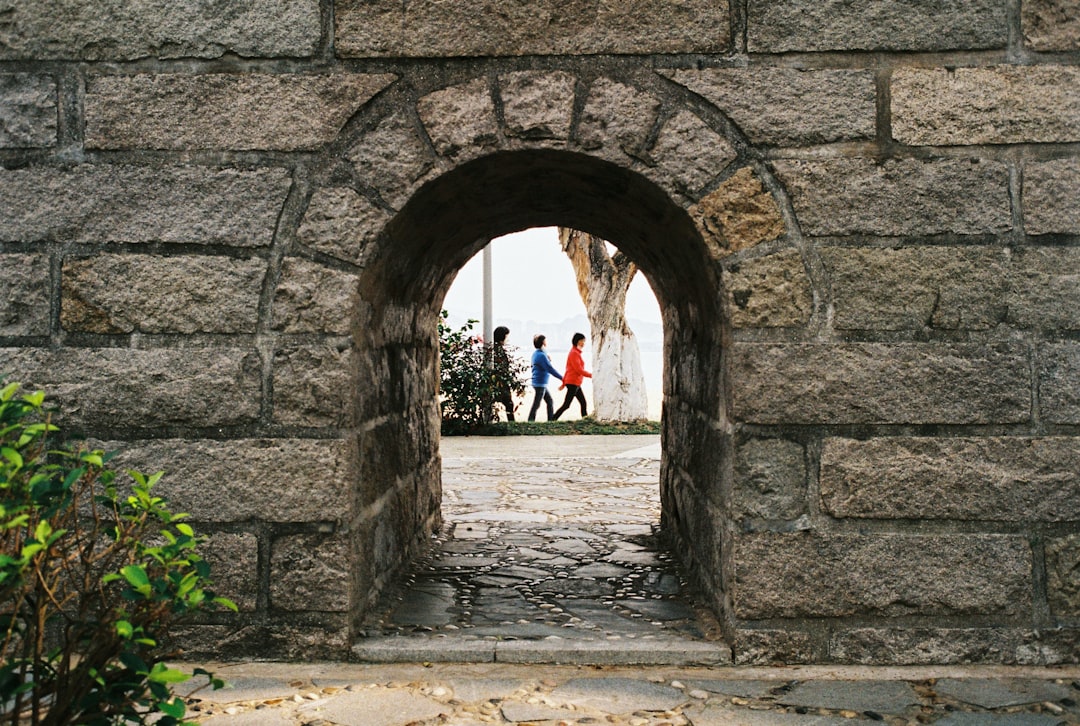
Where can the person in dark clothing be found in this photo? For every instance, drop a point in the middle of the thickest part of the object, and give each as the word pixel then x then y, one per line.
pixel 502 364
pixel 574 377
pixel 542 370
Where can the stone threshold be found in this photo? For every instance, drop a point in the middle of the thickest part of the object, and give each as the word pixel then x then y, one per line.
pixel 413 649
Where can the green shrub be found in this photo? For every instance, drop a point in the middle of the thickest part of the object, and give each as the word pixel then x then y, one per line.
pixel 470 376
pixel 90 578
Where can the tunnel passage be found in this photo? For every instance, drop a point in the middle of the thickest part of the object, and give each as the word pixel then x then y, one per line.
pixel 444 224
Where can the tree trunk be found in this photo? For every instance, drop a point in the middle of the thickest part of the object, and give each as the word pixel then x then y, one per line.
pixel 618 382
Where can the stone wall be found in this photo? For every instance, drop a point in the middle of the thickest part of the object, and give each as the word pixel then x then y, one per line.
pixel 225 233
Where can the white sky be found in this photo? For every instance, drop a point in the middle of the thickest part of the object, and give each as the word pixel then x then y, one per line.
pixel 532 279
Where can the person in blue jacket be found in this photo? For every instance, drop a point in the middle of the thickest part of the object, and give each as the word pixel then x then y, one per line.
pixel 542 370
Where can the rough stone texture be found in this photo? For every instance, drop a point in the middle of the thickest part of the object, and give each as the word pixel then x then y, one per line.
pixel 223 111
pixel 27 111
pixel 159 28
pixel 996 105
pixel 543 27
pixel 898 196
pixel 863 695
pixel 271 480
pixel 766 647
pixel 917 287
pixel 313 385
pixel 1063 575
pixel 131 204
pixel 770 480
pixel 1003 478
pixel 537 105
pixel 127 387
pixel 616 118
pixel 311 298
pixel 381 705
pixel 393 158
pixel 460 120
pixel 272 639
pixel 739 214
pixel 24 306
pixel 769 292
pixel 341 223
pixel 880 383
pixel 310 572
pixel 1051 24
pixel 1044 290
pixel 155 294
pixel 789 106
pixel 885 575
pixel 234 561
pixel 690 153
pixel 1059 382
pixel 923 646
pixel 1051 196
pixel 775 26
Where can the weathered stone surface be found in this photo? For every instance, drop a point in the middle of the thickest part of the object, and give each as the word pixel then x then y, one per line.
pixel 106 203
pixel 159 28
pixel 537 105
pixel 24 306
pixel 392 158
pixel 886 575
pixel 1063 575
pixel 880 383
pixel 127 387
pixel 272 480
pixel 153 294
pixel 313 385
pixel 996 105
pixel 616 118
pixel 544 27
pixel 923 646
pixel 917 287
pixel 898 197
pixel 311 298
pixel 993 693
pixel 618 695
pixel 341 223
pixel 27 110
pixel 775 26
pixel 767 647
pixel 460 120
pixel 223 110
pixel 1051 24
pixel 279 639
pixel 1003 478
pixel 381 705
pixel 785 106
pixel 1059 382
pixel 1044 289
pixel 770 480
pixel 739 214
pixel 881 697
pixel 310 572
pixel 689 153
pixel 1051 196
pixel 769 292
pixel 234 566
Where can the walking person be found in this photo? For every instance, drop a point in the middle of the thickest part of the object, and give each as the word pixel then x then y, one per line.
pixel 502 366
pixel 573 378
pixel 542 370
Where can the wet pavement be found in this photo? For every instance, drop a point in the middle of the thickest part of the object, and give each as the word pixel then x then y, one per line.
pixel 550 555
pixel 550 559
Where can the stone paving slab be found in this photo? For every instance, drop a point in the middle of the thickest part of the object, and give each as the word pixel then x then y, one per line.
pixel 327 694
pixel 881 697
pixel 998 694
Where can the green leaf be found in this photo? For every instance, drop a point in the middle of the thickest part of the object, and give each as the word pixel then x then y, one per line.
pixel 174 708
pixel 13 456
pixel 124 629
pixel 161 673
pixel 137 578
pixel 185 529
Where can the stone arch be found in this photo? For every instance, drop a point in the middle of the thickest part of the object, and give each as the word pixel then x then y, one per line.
pixel 425 187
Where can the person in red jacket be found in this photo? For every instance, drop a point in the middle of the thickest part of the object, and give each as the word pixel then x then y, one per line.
pixel 574 376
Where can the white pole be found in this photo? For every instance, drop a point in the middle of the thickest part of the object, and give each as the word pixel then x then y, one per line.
pixel 488 329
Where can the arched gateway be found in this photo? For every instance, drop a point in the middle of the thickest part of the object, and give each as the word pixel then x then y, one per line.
pixel 229 266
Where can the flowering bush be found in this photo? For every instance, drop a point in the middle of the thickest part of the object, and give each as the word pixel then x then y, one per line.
pixel 471 375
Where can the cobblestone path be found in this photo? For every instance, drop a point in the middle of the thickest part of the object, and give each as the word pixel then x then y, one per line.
pixel 564 551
